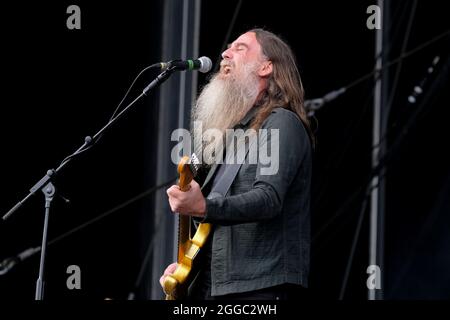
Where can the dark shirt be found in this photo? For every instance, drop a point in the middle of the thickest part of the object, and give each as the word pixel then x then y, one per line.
pixel 261 229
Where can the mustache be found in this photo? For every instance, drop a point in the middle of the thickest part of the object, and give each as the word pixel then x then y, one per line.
pixel 225 63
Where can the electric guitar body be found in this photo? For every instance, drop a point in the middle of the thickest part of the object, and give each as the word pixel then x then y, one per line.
pixel 177 284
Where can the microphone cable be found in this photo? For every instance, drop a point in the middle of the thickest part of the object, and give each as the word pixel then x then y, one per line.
pixel 89 142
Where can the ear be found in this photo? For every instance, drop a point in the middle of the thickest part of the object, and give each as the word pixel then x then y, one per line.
pixel 265 69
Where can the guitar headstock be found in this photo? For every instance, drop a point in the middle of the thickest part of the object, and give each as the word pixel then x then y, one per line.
pixel 187 169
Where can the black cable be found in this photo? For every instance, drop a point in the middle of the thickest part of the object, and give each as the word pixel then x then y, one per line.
pixel 400 64
pixel 378 71
pixel 396 60
pixel 354 243
pixel 383 164
pixel 131 86
pixel 111 211
pixel 359 80
pixel 351 137
pixel 348 141
pixel 340 153
pixel 96 219
pixel 148 252
pixel 381 168
pixel 349 201
pixel 89 142
pixel 395 123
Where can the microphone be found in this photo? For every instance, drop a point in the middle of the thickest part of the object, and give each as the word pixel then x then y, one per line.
pixel 202 64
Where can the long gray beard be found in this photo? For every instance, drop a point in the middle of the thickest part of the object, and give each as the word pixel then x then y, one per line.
pixel 221 105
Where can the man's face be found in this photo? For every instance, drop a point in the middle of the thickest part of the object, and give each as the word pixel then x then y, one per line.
pixel 229 95
pixel 243 51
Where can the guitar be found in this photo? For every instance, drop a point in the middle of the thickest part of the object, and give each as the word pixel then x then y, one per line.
pixel 176 285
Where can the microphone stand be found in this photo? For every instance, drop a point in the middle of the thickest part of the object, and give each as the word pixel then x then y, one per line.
pixel 46 186
pixel 49 191
pixel 313 105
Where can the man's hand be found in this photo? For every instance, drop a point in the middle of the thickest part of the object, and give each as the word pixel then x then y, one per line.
pixel 169 270
pixel 190 202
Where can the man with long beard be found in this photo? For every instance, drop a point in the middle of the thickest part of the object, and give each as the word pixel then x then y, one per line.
pixel 260 245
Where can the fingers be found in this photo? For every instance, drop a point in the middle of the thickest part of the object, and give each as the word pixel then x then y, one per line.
pixel 173 191
pixel 194 185
pixel 174 206
pixel 169 270
pixel 177 198
pixel 186 202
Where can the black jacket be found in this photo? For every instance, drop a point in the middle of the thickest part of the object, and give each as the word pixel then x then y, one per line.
pixel 261 232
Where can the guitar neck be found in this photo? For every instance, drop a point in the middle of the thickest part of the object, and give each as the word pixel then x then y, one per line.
pixel 187 170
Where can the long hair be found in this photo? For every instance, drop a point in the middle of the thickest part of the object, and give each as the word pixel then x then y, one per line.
pixel 284 85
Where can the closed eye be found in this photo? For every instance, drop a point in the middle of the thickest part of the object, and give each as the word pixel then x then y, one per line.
pixel 239 46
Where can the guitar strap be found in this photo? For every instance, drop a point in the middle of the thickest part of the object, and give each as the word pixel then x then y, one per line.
pixel 221 188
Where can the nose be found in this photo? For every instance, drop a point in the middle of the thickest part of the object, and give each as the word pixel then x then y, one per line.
pixel 227 54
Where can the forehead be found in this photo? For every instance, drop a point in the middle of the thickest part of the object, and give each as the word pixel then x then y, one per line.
pixel 248 39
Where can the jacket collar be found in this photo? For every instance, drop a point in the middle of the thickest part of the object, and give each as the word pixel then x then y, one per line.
pixel 249 116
